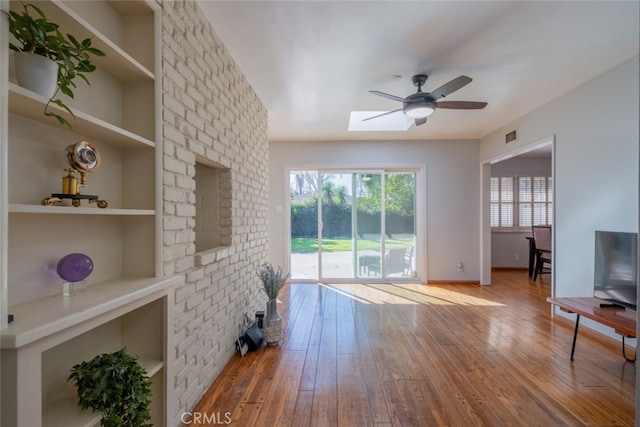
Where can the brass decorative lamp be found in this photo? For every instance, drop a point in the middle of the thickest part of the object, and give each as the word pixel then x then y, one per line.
pixel 83 158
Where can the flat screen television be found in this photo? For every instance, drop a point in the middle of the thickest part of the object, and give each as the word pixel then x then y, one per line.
pixel 616 267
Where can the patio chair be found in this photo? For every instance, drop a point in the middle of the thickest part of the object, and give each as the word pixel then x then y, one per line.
pixel 398 260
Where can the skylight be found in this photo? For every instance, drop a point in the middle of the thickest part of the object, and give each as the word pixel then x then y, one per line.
pixel 392 122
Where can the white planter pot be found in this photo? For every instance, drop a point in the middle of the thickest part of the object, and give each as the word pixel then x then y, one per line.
pixel 36 73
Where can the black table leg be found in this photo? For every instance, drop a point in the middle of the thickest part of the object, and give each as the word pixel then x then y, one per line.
pixel 624 353
pixel 532 255
pixel 575 335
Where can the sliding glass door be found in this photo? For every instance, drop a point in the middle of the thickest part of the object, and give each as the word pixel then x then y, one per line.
pixel 304 241
pixel 368 238
pixel 399 225
pixel 336 225
pixel 353 225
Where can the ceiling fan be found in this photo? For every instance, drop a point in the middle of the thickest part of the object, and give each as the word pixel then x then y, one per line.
pixel 421 105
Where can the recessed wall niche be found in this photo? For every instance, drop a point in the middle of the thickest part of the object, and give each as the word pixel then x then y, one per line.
pixel 213 206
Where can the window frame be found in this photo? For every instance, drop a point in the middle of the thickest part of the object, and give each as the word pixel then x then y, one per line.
pixel 515 202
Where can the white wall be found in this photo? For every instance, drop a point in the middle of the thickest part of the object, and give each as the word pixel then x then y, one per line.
pixel 596 167
pixel 510 249
pixel 452 193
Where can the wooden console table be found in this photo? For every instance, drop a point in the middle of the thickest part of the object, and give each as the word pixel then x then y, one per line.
pixel 623 321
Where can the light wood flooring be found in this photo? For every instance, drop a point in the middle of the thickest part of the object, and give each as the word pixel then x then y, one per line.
pixel 416 355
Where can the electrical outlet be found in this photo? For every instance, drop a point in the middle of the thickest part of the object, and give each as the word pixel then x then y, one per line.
pixel 517 257
pixel 460 266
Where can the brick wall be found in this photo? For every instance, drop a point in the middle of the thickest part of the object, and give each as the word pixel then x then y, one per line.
pixel 210 113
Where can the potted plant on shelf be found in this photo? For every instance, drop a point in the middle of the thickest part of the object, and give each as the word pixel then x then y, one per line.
pixel 272 281
pixel 116 385
pixel 47 62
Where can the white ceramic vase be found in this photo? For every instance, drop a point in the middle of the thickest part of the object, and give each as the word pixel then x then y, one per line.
pixel 36 73
pixel 272 326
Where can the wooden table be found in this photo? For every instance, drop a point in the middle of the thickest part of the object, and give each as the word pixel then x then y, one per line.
pixel 622 320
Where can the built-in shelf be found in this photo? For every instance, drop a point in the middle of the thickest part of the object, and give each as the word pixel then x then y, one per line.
pixel 28 104
pixel 70 210
pixel 127 303
pixel 66 412
pixel 116 61
pixel 45 317
pixel 151 365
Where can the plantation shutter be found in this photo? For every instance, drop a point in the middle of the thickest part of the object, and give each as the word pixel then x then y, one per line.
pixel 521 201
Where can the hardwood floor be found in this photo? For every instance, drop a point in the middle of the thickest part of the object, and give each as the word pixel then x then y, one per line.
pixel 415 355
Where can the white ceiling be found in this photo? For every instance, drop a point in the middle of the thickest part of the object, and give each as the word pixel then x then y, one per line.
pixel 313 62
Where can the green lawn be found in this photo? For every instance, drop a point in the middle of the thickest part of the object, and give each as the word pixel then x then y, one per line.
pixel 306 244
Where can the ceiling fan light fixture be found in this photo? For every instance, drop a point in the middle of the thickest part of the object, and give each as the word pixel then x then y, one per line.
pixel 419 110
pixel 420 105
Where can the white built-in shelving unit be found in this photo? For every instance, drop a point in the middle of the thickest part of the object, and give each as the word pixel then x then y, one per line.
pixel 127 302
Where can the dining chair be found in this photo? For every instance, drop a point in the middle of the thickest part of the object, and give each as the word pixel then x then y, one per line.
pixel 542 239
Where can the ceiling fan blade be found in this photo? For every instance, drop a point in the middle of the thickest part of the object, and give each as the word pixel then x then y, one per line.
pixel 386 95
pixel 383 114
pixel 421 121
pixel 461 105
pixel 452 86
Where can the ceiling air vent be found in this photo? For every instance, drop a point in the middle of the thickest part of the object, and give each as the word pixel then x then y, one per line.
pixel 510 137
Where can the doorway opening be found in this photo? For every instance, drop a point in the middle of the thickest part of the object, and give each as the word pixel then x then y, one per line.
pixel 505 238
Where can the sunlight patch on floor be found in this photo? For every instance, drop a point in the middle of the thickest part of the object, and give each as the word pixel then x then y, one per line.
pixel 407 294
pixel 451 296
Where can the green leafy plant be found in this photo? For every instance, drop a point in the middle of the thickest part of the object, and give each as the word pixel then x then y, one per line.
pixel 116 385
pixel 36 34
pixel 272 279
